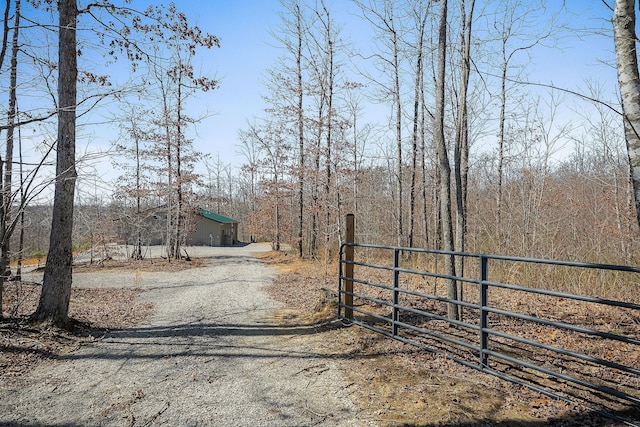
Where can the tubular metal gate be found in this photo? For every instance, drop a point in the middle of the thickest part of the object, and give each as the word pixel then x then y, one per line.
pixel 581 349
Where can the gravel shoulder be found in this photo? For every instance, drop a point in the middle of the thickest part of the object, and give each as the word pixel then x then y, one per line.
pixel 211 354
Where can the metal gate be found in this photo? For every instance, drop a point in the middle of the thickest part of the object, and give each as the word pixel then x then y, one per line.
pixel 570 346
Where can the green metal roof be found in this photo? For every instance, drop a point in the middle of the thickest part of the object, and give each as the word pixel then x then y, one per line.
pixel 217 217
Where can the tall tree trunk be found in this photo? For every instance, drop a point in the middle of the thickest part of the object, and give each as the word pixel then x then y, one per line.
pixel 5 181
pixel 276 245
pixel 5 32
pixel 56 287
pixel 330 89
pixel 461 151
pixel 356 171
pixel 423 145
pixel 168 157
pixel 137 253
pixel 398 125
pixel 443 162
pixel 301 154
pixel 632 226
pixel 179 183
pixel 416 128
pixel 22 205
pixel 501 142
pixel 167 146
pixel 316 184
pixel 624 35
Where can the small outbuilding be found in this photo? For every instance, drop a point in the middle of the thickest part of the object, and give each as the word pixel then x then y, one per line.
pixel 212 229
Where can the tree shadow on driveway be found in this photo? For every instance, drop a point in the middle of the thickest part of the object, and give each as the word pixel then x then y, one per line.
pixel 260 341
pixel 225 340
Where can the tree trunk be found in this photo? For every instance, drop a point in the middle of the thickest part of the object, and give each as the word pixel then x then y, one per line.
pixel 330 71
pixel 6 230
pixel 137 253
pixel 501 148
pixel 22 205
pixel 416 128
pixel 168 157
pixel 276 245
pixel 398 124
pixel 18 276
pixel 423 145
pixel 56 287
pixel 5 32
pixel 300 118
pixel 443 162
pixel 624 24
pixel 461 153
pixel 356 171
pixel 316 186
pixel 179 183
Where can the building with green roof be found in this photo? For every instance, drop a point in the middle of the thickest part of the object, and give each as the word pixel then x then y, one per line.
pixel 212 229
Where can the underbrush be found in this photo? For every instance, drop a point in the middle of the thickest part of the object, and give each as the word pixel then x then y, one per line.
pixel 599 283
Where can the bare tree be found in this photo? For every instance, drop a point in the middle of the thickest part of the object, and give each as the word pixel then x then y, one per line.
pixel 383 17
pixel 420 15
pixel 173 80
pixel 624 32
pixel 359 136
pixel 167 25
pixel 7 163
pixel 288 88
pixel 604 135
pixel 519 30
pixel 276 151
pixel 251 151
pixel 215 197
pixel 443 161
pixel 56 287
pixel 323 51
pixel 300 117
pixel 461 150
pixel 134 183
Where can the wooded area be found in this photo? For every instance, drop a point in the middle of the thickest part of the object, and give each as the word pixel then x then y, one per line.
pixel 466 154
pixel 433 134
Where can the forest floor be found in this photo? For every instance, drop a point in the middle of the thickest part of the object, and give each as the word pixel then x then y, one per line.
pixel 244 343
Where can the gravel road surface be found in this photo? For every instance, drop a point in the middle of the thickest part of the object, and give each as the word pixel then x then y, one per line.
pixel 210 355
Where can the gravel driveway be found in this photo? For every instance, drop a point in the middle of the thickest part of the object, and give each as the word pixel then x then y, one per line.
pixel 210 355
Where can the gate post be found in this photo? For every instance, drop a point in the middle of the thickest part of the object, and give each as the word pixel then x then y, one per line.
pixel 396 291
pixel 348 267
pixel 484 318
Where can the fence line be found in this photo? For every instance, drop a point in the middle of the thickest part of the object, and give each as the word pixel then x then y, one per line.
pixel 577 348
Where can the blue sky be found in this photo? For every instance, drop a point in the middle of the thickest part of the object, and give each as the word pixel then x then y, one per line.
pixel 243 27
pixel 247 50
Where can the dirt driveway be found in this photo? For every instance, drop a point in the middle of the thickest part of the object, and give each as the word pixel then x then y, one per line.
pixel 210 355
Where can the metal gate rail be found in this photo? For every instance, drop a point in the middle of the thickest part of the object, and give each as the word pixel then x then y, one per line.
pixel 544 351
